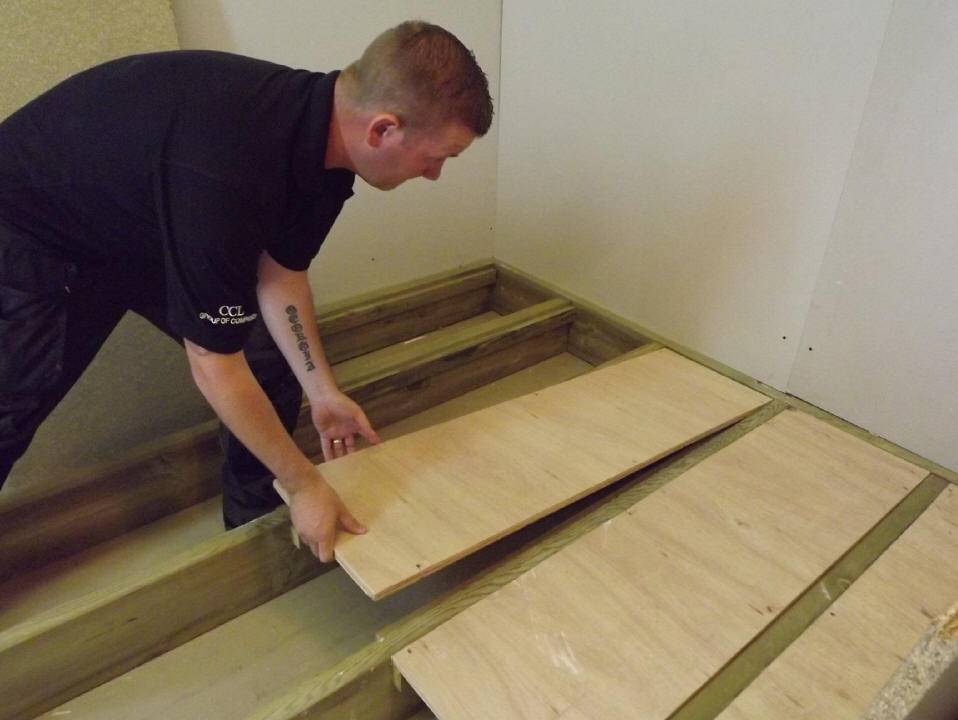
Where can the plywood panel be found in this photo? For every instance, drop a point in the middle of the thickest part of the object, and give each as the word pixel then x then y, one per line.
pixel 841 662
pixel 434 496
pixel 229 670
pixel 631 619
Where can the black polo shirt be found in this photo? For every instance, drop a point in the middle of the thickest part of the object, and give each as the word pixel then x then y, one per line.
pixel 186 163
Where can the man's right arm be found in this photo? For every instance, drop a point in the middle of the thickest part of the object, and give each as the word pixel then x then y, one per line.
pixel 228 385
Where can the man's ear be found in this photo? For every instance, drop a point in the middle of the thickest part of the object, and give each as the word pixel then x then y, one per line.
pixel 381 128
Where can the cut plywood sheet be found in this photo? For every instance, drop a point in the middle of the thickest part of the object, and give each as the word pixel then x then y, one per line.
pixel 436 495
pixel 633 618
pixel 836 667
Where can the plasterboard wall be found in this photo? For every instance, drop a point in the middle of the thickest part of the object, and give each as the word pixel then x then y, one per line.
pixel 683 164
pixel 881 342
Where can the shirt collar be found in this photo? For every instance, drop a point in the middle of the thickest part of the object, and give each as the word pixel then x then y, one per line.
pixel 310 151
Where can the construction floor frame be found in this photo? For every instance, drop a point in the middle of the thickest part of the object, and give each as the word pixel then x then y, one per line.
pixel 121 596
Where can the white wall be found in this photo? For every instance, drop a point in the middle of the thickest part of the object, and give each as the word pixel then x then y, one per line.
pixel 881 342
pixel 381 238
pixel 683 163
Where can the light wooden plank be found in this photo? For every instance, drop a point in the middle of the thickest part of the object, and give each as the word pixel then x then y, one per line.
pixel 631 619
pixel 709 700
pixel 323 694
pixel 837 666
pixel 434 496
pixel 230 669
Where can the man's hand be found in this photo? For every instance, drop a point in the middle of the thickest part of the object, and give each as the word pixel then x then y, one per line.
pixel 317 513
pixel 338 420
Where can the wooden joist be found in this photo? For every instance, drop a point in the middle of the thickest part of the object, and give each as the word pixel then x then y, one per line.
pixel 183 469
pixel 65 651
pixel 110 632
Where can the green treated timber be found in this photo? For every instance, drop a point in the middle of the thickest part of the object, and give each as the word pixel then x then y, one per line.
pixel 380 304
pixel 713 697
pixel 323 696
pixel 67 650
pixel 112 631
pixel 616 325
pixel 179 470
pixel 373 374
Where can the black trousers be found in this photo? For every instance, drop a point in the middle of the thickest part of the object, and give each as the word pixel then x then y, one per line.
pixel 55 314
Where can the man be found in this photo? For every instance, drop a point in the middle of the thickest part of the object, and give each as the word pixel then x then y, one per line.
pixel 194 188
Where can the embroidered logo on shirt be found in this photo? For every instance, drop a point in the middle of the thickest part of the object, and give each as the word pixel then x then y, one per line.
pixel 229 315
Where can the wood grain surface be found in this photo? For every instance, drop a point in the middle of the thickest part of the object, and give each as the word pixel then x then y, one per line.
pixel 436 495
pixel 631 619
pixel 228 671
pixel 838 665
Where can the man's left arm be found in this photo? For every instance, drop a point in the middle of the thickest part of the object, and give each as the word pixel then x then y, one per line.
pixel 286 304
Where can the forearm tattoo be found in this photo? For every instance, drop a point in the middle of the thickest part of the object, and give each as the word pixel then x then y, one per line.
pixel 294 325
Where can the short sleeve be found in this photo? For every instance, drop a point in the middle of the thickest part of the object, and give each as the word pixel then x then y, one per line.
pixel 298 245
pixel 212 241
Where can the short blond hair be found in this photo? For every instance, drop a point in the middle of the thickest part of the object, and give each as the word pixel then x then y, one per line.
pixel 424 75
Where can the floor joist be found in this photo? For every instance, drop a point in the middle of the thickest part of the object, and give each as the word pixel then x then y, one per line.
pixel 181 470
pixel 116 637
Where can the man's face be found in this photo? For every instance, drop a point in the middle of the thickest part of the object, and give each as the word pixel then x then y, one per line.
pixel 396 156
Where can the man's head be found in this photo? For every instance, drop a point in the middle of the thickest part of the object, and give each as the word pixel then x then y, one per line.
pixel 415 98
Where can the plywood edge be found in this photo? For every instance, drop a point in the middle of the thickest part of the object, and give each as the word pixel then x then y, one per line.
pixel 320 697
pixel 716 694
pixel 923 687
pixel 81 644
pixel 629 329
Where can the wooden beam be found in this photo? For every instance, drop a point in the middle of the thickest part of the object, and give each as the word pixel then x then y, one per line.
pixel 178 471
pixel 373 374
pixel 323 695
pixel 95 639
pixel 389 302
pixel 595 336
pixel 387 317
pixel 70 649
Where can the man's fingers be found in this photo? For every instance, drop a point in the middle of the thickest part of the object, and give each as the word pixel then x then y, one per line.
pixel 366 430
pixel 327 447
pixel 351 524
